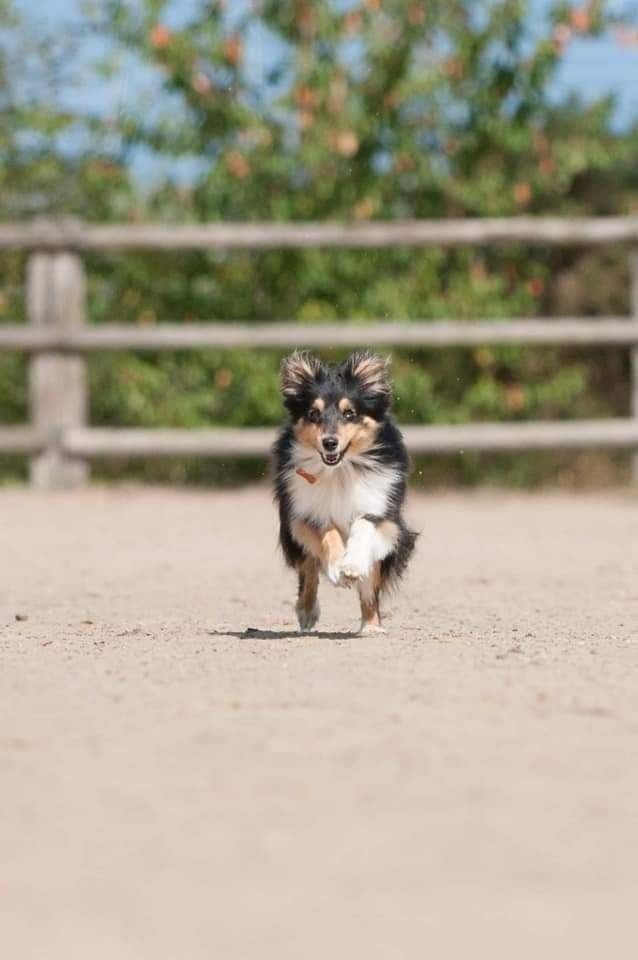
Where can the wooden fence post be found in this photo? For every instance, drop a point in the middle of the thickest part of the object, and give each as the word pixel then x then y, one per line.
pixel 56 291
pixel 633 353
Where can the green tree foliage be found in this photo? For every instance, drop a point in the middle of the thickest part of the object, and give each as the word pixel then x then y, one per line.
pixel 50 164
pixel 381 109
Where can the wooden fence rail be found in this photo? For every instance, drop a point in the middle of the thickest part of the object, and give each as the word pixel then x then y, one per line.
pixel 70 234
pixel 60 443
pixel 207 336
pixel 127 442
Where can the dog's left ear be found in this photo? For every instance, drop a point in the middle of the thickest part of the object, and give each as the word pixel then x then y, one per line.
pixel 370 372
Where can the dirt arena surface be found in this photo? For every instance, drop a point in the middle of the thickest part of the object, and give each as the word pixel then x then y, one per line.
pixel 184 777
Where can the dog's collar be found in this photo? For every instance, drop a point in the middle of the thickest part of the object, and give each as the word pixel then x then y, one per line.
pixel 308 477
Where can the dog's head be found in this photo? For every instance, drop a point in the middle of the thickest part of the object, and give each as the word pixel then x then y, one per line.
pixel 336 409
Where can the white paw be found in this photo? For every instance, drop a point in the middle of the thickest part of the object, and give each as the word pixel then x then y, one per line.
pixel 370 629
pixel 333 573
pixel 355 566
pixel 307 618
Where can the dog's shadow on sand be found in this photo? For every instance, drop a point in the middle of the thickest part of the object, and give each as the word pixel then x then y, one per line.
pixel 254 633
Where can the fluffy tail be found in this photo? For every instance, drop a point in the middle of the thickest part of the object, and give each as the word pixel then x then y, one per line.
pixel 393 566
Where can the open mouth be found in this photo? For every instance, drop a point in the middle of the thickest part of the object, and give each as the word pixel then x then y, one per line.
pixel 332 459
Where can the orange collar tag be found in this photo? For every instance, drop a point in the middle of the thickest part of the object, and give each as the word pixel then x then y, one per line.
pixel 309 477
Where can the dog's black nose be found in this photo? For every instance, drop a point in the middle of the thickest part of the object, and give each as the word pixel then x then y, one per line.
pixel 330 443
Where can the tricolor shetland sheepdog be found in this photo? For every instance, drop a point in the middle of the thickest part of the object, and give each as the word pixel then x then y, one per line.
pixel 340 468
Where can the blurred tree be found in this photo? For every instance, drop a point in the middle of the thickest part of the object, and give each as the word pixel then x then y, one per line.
pixel 318 109
pixel 54 159
pixel 50 163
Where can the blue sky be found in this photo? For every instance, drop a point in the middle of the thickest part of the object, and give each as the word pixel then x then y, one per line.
pixel 593 67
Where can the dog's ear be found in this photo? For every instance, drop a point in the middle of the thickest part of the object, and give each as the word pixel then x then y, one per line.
pixel 299 373
pixel 370 373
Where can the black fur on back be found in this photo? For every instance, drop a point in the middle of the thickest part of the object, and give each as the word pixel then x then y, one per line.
pixel 281 456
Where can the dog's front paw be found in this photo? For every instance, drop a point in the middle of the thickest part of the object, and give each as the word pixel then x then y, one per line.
pixel 307 617
pixel 333 573
pixel 354 566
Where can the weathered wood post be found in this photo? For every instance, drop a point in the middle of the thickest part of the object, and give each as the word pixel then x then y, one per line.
pixel 633 266
pixel 56 291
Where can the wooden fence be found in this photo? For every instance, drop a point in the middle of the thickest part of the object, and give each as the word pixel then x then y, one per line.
pixel 57 338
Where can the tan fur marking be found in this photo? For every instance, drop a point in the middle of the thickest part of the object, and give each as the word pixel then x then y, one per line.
pixel 389 530
pixel 319 404
pixel 308 434
pixel 309 581
pixel 344 405
pixel 332 547
pixel 326 546
pixel 369 598
pixel 359 435
pixel 307 537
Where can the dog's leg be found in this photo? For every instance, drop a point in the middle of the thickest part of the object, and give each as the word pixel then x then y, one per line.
pixel 326 546
pixel 332 551
pixel 307 603
pixel 370 540
pixel 369 588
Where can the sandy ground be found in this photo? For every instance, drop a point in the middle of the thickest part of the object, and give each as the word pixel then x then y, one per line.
pixel 182 776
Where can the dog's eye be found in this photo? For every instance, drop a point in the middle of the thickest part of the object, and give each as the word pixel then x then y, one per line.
pixel 348 414
pixel 314 415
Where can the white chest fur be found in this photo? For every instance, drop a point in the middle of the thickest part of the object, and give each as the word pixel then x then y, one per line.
pixel 340 494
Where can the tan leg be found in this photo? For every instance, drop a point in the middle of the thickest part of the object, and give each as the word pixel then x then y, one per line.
pixel 307 605
pixel 326 546
pixel 332 550
pixel 369 598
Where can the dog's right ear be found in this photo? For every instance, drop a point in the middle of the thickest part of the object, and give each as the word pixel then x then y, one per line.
pixel 300 372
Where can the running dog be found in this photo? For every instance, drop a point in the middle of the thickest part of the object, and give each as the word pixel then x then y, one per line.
pixel 340 472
